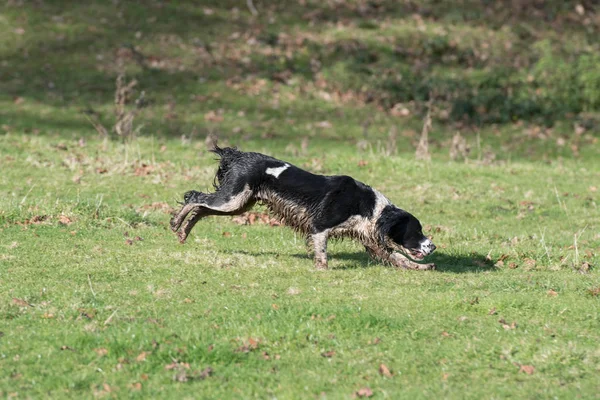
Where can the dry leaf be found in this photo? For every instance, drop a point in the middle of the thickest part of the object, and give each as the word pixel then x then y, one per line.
pixel 64 220
pixel 506 326
pixel 101 351
pixel 142 356
pixel 376 341
pixel 385 371
pixel 552 293
pixel 528 369
pixel 20 303
pixel 364 392
pixel 328 354
pixel 492 311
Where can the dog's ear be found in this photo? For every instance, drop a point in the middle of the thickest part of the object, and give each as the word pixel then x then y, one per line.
pixel 392 223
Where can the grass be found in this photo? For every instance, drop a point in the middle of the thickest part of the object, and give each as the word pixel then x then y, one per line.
pixel 97 298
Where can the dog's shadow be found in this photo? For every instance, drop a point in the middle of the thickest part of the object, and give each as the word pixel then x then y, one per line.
pixel 473 262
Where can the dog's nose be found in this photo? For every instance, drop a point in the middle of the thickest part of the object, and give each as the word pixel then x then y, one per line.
pixel 433 247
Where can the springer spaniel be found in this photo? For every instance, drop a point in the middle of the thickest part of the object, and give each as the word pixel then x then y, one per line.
pixel 317 206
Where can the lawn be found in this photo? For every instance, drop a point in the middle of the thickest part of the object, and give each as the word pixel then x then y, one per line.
pixel 98 298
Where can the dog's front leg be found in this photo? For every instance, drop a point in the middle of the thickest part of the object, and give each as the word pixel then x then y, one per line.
pixel 396 259
pixel 319 242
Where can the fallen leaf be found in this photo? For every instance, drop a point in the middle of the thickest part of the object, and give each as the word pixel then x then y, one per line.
pixel 492 311
pixel 364 392
pixel 328 354
pixel 129 242
pixel 265 355
pixel 585 267
pixel 227 234
pixel 528 369
pixel 66 348
pixel 64 220
pixel 20 303
pixel 136 386
pixel 594 291
pixel 506 326
pixel 275 306
pixel 552 293
pixel 385 371
pixel 143 170
pixel 101 351
pixel 142 356
pixel 446 334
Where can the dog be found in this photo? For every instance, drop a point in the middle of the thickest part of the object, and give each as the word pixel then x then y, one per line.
pixel 317 206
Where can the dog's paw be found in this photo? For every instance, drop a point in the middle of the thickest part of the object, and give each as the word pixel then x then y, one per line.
pixel 426 267
pixel 182 236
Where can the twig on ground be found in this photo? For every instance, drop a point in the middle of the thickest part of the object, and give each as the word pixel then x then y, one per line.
pixel 251 7
pixel 422 152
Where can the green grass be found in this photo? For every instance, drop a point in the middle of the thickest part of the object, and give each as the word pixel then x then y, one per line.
pixel 98 299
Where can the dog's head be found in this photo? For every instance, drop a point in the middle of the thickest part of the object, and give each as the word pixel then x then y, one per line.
pixel 401 231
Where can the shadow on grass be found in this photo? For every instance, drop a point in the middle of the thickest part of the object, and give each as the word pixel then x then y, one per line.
pixel 354 260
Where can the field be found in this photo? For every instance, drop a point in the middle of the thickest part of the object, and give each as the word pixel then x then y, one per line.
pixel 98 299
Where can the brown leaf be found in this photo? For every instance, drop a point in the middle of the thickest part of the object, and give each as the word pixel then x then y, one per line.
pixel 552 293
pixel 506 326
pixel 129 242
pixel 492 311
pixel 265 355
pixel 385 371
pixel 446 334
pixel 275 306
pixel 364 392
pixel 136 386
pixel 176 364
pixel 64 220
pixel 328 354
pixel 585 267
pixel 143 170
pixel 227 234
pixel 142 356
pixel 362 163
pixel 101 351
pixel 20 303
pixel 67 348
pixel 375 341
pixel 594 291
pixel 528 369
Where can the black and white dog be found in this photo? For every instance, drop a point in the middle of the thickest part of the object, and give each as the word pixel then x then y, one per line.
pixel 318 206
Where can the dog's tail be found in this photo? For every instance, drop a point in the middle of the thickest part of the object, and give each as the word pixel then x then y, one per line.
pixel 227 156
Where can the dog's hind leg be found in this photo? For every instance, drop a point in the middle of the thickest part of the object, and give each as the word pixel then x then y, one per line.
pixel 199 205
pixel 319 243
pixel 222 201
pixel 180 216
